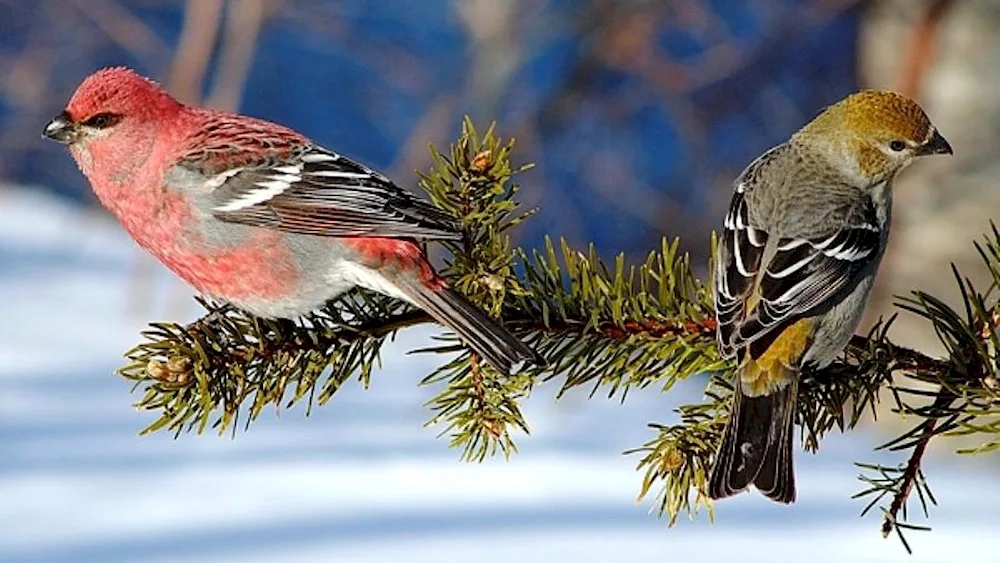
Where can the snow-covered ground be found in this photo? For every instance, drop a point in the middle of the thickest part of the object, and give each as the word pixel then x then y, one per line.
pixel 360 479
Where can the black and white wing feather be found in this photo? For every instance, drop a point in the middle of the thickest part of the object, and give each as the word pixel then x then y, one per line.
pixel 318 192
pixel 764 285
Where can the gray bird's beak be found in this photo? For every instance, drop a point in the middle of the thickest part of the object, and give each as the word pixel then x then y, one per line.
pixel 61 129
pixel 936 145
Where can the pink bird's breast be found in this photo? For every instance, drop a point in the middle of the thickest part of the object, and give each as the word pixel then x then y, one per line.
pixel 259 267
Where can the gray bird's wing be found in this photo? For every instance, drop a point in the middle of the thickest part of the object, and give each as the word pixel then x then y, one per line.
pixel 763 284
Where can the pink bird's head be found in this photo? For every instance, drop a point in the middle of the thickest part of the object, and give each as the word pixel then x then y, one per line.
pixel 115 115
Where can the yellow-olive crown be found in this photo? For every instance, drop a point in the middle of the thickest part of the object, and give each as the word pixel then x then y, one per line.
pixel 879 131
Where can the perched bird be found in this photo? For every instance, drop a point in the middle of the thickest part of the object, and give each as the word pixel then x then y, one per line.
pixel 802 241
pixel 258 215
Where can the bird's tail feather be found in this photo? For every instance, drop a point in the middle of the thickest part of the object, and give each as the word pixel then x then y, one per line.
pixel 483 334
pixel 756 447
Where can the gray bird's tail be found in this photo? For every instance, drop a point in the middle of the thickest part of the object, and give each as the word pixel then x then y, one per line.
pixel 483 334
pixel 756 447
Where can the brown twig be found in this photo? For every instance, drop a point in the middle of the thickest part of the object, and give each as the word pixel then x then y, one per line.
pixel 659 329
pixel 927 430
pixel 918 56
pixel 909 478
pixel 906 359
pixel 243 23
pixel 289 346
pixel 921 47
pixel 123 27
pixel 194 49
pixel 903 359
pixel 187 73
pixel 490 424
pixel 432 124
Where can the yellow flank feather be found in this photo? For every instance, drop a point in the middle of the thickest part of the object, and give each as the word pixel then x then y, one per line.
pixel 779 363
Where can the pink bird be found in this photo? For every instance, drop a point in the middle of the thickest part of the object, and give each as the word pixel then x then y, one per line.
pixel 258 215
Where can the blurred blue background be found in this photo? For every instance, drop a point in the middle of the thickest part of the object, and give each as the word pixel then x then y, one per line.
pixel 638 115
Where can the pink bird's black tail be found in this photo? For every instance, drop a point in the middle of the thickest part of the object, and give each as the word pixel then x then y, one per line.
pixel 484 335
pixel 756 447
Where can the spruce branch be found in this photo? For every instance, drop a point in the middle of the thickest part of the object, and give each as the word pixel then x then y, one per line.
pixel 963 399
pixel 609 326
pixel 679 456
pixel 479 406
pixel 199 375
pixel 623 326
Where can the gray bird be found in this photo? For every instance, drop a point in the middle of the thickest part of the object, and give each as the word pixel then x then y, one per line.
pixel 802 241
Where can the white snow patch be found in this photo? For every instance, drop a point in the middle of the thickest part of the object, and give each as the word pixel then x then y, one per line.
pixel 361 479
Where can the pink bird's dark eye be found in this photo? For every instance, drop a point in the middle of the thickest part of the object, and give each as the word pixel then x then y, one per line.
pixel 897 145
pixel 103 120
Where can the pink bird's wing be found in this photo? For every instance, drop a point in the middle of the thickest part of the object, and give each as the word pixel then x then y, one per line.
pixel 264 175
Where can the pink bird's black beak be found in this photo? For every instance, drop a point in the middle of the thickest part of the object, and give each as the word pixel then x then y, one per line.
pixel 935 145
pixel 61 129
